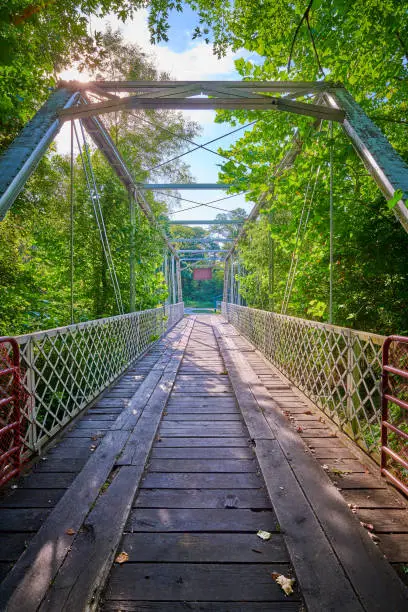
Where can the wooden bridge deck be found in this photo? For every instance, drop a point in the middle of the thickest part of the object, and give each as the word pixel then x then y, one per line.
pixel 197 447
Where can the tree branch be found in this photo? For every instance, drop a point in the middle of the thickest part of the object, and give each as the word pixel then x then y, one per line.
pixel 304 16
pixel 314 46
pixel 401 42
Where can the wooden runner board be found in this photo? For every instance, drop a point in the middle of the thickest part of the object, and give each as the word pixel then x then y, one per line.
pixel 200 505
pixel 81 576
pixel 25 586
pixel 360 559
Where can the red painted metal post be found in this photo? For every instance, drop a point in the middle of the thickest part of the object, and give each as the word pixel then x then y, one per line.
pixel 10 415
pixel 387 397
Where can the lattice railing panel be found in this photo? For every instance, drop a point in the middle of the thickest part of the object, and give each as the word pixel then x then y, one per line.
pixel 64 369
pixel 338 368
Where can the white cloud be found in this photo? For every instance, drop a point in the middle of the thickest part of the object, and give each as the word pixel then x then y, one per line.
pixel 195 63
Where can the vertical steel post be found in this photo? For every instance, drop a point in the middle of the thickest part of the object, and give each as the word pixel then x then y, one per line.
pixel 71 195
pixel 225 288
pixel 179 285
pixel 232 282
pixel 173 280
pixel 271 265
pixel 331 226
pixel 239 284
pixel 132 254
pixel 165 274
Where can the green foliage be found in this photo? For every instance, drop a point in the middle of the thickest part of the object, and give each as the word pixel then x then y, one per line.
pixel 35 266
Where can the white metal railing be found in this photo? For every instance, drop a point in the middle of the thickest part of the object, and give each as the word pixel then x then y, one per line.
pixel 64 369
pixel 337 368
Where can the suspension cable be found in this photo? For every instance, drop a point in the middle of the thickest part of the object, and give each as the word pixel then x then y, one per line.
pixel 300 237
pixel 94 194
pixel 98 201
pixel 283 308
pixel 196 145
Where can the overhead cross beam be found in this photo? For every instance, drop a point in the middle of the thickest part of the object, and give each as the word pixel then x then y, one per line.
pixel 188 186
pixel 201 251
pixel 334 103
pixel 209 222
pixel 221 95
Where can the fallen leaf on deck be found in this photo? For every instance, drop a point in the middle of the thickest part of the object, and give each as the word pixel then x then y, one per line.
pixel 122 557
pixel 70 531
pixel 367 525
pixel 374 537
pixel 264 535
pixel 285 583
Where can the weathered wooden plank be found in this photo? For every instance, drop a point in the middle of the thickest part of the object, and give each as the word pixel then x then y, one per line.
pixel 374 498
pixel 85 433
pixel 182 417
pixel 202 402
pixel 201 519
pixel 201 606
pixel 342 466
pixel 33 498
pixel 305 432
pixel 157 480
pixel 52 464
pixel 325 452
pixel 202 498
pixel 203 465
pixel 71 443
pixel 201 431
pixel 204 394
pixel 214 409
pixel 5 567
pixel 204 548
pixel 47 480
pixel 358 481
pixel 172 442
pixel 22 519
pixel 220 452
pixel 392 521
pixel 332 442
pixel 196 581
pixel 93 423
pixel 12 545
pixel 395 547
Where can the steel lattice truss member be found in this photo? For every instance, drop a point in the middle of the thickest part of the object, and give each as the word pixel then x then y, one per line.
pixel 321 100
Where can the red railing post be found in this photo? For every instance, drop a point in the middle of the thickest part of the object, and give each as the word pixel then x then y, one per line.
pixel 386 398
pixel 10 405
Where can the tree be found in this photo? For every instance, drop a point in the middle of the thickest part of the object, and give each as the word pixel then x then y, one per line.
pixel 35 236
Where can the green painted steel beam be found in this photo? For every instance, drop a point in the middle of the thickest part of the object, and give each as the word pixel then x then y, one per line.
pixel 21 158
pixel 200 240
pixel 209 222
pixel 181 186
pixel 202 251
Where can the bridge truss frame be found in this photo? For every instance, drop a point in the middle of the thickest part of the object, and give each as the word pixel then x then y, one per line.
pixel 320 100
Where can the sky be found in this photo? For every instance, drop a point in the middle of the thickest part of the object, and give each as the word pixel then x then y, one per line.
pixel 183 59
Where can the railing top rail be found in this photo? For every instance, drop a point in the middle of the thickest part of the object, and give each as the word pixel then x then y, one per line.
pixel 22 339
pixel 376 338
